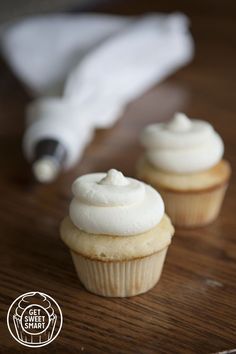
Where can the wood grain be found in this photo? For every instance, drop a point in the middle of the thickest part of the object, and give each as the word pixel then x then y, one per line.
pixel 193 308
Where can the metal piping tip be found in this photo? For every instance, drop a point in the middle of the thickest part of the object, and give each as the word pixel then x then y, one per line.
pixel 49 157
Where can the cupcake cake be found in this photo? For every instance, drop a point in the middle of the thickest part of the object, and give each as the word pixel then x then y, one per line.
pixel 118 234
pixel 183 161
pixel 34 319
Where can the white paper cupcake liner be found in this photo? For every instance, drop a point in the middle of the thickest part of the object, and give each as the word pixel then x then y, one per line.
pixel 120 278
pixel 193 208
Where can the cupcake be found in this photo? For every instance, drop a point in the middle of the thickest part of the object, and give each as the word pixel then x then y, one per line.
pixel 118 234
pixel 34 319
pixel 183 161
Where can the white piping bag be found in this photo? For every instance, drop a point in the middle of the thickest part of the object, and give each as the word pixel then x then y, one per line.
pixel 96 92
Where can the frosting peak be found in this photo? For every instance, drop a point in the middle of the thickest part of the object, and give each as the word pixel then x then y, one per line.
pixel 179 123
pixel 115 178
pixel 111 204
pixel 182 145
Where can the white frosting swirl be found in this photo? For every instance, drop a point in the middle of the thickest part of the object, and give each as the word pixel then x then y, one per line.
pixel 111 204
pixel 182 145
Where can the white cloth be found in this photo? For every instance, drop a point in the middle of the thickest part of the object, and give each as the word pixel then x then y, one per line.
pixel 103 62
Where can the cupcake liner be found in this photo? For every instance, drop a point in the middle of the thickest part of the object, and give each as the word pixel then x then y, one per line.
pixel 189 209
pixel 34 339
pixel 119 278
pixel 193 207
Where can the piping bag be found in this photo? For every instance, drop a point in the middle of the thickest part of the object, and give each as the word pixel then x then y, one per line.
pixel 117 59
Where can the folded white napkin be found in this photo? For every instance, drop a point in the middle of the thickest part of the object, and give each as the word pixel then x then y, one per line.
pixel 102 62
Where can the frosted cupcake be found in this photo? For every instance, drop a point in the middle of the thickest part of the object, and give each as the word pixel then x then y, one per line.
pixel 183 160
pixel 118 234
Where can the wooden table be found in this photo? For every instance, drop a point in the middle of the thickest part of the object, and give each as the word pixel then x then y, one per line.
pixel 193 308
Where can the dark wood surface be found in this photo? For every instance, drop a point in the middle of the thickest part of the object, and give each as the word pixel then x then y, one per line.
pixel 193 308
